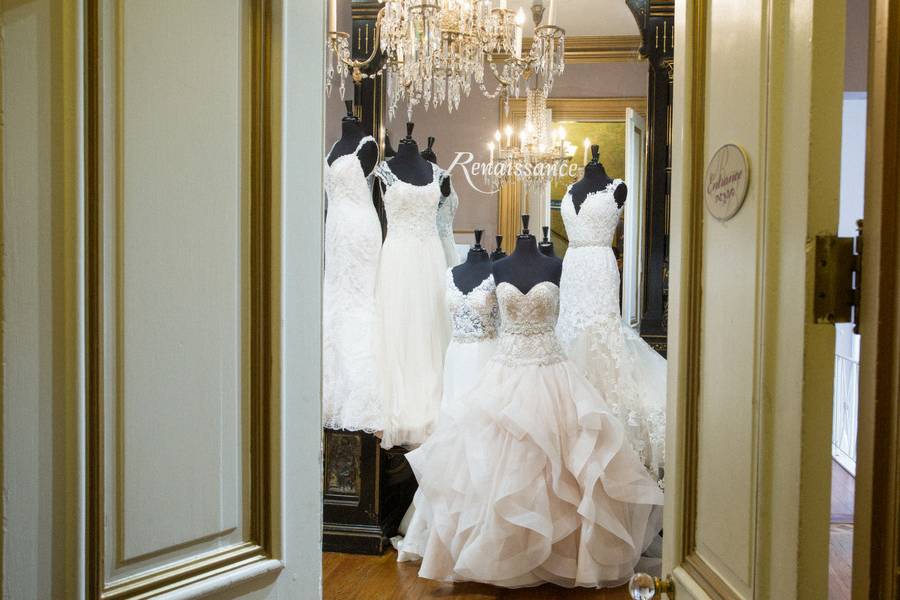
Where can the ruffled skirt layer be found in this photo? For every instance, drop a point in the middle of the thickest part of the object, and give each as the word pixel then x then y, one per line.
pixel 528 479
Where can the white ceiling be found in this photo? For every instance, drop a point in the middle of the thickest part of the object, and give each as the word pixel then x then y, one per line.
pixel 584 17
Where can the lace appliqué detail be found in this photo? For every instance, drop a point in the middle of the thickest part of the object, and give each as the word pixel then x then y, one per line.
pixel 595 222
pixel 527 320
pixel 474 315
pixel 414 210
pixel 446 211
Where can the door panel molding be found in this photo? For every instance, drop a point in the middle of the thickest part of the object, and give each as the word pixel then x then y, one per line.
pixel 259 351
pixel 692 304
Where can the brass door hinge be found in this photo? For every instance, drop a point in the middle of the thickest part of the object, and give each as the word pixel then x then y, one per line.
pixel 838 278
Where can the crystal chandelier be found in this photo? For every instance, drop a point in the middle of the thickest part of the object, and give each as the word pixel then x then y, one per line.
pixel 540 155
pixel 433 51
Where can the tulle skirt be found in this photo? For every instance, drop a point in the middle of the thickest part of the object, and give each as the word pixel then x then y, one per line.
pixel 528 479
pixel 413 330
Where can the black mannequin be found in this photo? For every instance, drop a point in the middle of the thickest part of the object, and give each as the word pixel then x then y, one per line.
pixel 351 134
pixel 526 266
pixel 409 166
pixel 428 153
pixel 498 252
pixel 388 149
pixel 475 270
pixel 546 246
pixel 595 179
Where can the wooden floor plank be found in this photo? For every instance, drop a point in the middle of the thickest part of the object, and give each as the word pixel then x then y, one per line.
pixel 355 577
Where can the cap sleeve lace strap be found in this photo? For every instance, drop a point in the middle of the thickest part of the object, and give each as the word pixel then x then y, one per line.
pixel 383 173
pixel 366 139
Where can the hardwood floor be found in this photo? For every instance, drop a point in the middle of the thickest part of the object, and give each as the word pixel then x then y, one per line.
pixel 840 551
pixel 354 577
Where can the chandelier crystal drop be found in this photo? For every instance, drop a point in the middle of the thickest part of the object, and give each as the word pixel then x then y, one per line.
pixel 432 52
pixel 539 155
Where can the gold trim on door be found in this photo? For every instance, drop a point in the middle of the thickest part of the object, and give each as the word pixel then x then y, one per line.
pixel 259 350
pixel 689 390
pixel 564 109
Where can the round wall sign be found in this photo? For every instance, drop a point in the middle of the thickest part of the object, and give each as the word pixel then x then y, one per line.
pixel 727 179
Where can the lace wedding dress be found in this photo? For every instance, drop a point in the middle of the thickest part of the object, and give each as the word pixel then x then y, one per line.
pixel 446 212
pixel 528 477
pixel 352 245
pixel 629 373
pixel 413 328
pixel 474 317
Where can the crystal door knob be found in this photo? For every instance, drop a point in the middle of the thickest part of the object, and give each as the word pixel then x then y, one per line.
pixel 642 586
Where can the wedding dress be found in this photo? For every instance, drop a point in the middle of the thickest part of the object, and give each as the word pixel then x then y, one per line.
pixel 352 245
pixel 474 317
pixel 629 373
pixel 412 324
pixel 446 212
pixel 528 477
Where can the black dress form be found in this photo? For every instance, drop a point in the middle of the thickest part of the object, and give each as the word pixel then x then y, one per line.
pixel 351 134
pixel 428 153
pixel 470 274
pixel 498 252
pixel 546 246
pixel 526 266
pixel 594 180
pixel 409 166
pixel 387 148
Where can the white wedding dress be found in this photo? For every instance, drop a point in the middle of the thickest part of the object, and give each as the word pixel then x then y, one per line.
pixel 350 391
pixel 446 212
pixel 629 373
pixel 474 317
pixel 413 327
pixel 528 477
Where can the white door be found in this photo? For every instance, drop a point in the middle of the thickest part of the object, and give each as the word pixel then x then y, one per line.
pixel 161 255
pixel 635 158
pixel 750 374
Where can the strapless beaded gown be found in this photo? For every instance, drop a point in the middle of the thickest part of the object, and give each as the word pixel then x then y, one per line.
pixel 528 477
pixel 629 373
pixel 413 329
pixel 350 392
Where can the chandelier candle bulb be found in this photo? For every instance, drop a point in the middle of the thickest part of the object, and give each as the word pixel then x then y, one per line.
pixel 520 21
pixel 587 144
pixel 332 15
pixel 491 148
pixel 509 132
pixel 551 15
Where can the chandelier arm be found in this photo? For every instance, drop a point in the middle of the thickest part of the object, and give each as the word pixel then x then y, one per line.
pixel 358 65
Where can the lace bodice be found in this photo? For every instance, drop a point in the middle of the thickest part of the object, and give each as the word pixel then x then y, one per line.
pixel 345 180
pixel 446 212
pixel 410 209
pixel 527 324
pixel 595 222
pixel 474 315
